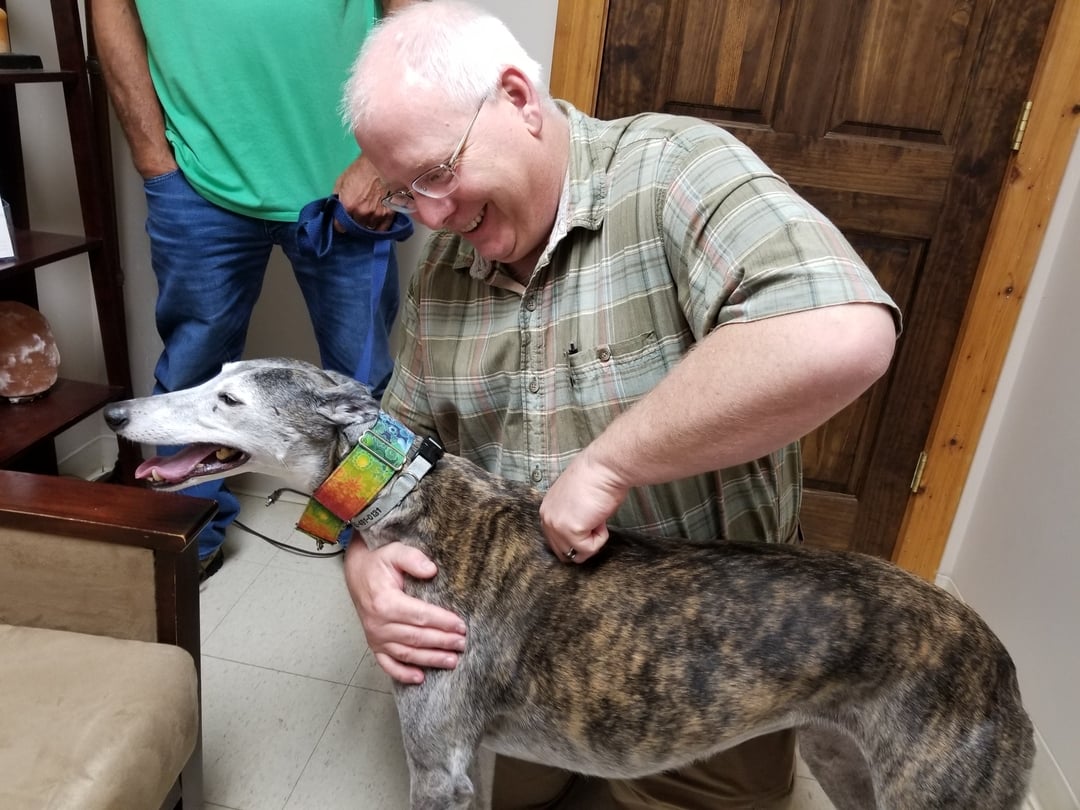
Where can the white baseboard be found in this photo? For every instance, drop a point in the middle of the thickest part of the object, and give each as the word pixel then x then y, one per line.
pixel 1049 788
pixel 90 461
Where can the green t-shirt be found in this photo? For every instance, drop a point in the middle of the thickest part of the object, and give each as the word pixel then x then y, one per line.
pixel 251 91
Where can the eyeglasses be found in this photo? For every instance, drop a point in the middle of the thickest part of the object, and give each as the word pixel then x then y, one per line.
pixel 437 182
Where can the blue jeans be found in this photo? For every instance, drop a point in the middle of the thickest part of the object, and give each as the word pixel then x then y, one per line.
pixel 210 263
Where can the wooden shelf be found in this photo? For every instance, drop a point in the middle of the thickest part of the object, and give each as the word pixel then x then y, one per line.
pixel 66 403
pixel 39 248
pixel 37 76
pixel 27 429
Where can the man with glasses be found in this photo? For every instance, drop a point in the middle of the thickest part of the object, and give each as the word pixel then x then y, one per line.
pixel 637 316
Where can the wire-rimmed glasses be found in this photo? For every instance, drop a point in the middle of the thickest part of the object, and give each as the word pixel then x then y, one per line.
pixel 435 183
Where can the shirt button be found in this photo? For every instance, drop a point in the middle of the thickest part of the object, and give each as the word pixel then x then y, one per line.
pixel 530 303
pixel 537 476
pixel 603 355
pixel 534 385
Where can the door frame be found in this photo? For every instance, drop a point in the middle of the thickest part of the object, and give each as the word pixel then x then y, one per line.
pixel 1032 179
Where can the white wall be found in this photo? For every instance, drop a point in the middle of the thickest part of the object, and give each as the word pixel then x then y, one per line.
pixel 1014 549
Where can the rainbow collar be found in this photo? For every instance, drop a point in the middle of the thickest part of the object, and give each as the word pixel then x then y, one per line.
pixel 356 493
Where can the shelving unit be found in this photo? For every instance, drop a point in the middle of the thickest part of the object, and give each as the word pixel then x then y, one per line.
pixel 27 429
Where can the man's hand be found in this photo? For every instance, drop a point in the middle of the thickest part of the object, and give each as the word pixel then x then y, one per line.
pixel 575 510
pixel 360 191
pixel 406 634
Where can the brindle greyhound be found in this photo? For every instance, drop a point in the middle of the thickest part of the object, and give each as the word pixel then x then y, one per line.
pixel 651 655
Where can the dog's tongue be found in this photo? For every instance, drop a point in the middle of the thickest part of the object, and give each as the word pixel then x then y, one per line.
pixel 176 467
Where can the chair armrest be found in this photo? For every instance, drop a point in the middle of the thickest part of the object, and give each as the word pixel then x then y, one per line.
pixel 107 560
pixel 100 558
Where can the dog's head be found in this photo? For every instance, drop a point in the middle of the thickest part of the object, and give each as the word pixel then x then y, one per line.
pixel 281 417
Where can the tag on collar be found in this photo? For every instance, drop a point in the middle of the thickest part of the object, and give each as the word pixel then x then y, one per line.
pixel 377 457
pixel 427 455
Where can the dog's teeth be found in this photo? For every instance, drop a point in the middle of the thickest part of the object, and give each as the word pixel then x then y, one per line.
pixel 156 476
pixel 224 453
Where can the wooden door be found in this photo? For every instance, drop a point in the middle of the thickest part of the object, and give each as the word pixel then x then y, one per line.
pixel 896 118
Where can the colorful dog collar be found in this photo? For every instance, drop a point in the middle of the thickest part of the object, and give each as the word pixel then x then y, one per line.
pixel 355 489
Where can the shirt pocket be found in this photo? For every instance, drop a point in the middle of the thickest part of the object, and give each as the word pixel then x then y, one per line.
pixel 607 379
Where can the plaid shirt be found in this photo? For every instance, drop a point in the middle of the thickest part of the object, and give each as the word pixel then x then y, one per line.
pixel 668 228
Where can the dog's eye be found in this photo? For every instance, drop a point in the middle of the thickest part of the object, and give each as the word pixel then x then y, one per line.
pixel 225 398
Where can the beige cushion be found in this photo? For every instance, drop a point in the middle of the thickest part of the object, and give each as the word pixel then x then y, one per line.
pixel 92 722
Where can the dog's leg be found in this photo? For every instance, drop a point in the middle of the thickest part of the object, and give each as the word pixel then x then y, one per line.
pixel 442 739
pixel 839 767
pixel 442 778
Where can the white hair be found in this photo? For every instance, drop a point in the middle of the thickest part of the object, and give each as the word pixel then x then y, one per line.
pixel 448 45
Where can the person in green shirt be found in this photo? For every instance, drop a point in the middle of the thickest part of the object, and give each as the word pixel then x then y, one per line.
pixel 231 111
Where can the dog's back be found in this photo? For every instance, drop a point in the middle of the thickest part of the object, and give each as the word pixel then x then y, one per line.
pixel 656 652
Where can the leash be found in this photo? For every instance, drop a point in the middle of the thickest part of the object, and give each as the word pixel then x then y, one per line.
pixel 278 544
pixel 315 237
pixel 385 465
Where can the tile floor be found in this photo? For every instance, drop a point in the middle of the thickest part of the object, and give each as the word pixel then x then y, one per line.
pixel 296 715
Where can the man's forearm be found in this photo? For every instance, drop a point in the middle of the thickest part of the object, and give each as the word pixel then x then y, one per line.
pixel 747 390
pixel 122 50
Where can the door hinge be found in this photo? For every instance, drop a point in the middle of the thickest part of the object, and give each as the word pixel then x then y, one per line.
pixel 916 479
pixel 1021 126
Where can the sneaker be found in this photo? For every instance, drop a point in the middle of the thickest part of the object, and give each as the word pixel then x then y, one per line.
pixel 211 565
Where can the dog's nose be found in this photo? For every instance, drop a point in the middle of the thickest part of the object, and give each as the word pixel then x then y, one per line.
pixel 115 416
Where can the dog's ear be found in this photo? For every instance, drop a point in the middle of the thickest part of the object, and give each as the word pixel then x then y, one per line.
pixel 349 403
pixel 342 379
